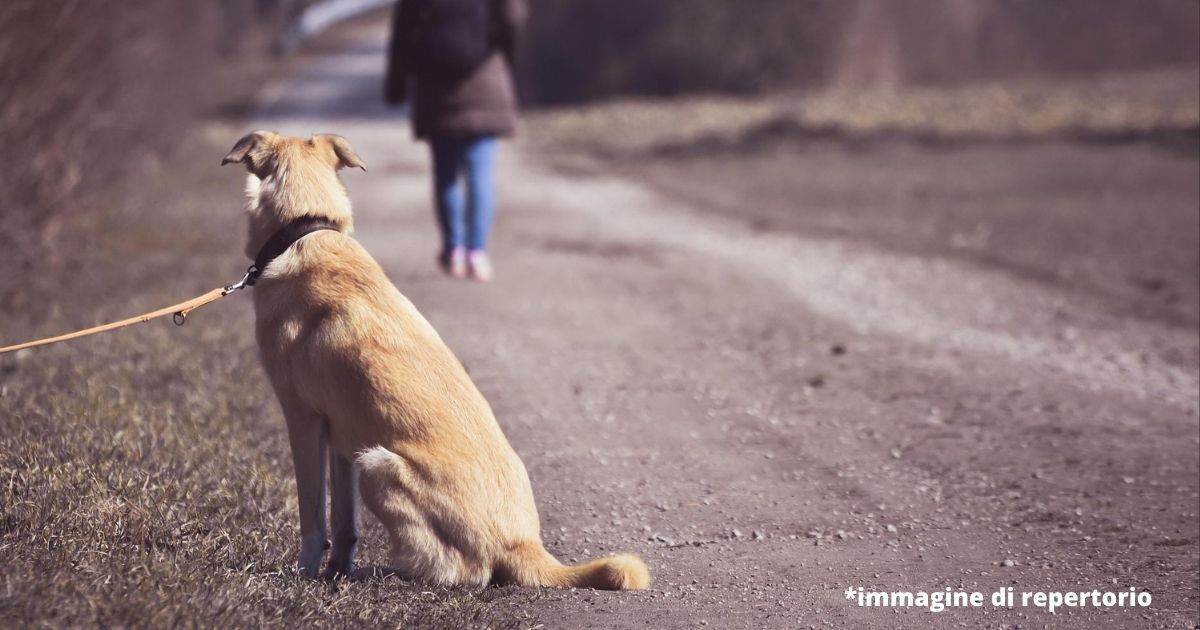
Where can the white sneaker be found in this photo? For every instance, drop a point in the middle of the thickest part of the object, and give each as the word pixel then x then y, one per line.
pixel 455 263
pixel 480 265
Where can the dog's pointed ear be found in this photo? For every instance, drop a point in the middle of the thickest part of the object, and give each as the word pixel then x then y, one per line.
pixel 346 156
pixel 249 151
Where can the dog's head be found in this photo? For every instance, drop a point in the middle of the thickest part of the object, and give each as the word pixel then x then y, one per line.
pixel 292 178
pixel 266 153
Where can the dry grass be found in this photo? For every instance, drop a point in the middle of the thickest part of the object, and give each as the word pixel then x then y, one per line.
pixel 1113 106
pixel 145 479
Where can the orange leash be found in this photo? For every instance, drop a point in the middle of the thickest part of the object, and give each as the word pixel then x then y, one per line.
pixel 178 311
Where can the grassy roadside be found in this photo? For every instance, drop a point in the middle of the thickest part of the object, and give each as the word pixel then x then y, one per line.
pixel 146 475
pixel 1125 106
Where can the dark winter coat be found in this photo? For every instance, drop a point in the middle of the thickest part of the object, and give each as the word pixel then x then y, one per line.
pixel 484 103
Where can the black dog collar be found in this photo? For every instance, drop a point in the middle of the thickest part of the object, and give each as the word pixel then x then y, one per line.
pixel 282 240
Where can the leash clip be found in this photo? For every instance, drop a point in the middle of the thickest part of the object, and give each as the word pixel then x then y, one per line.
pixel 246 281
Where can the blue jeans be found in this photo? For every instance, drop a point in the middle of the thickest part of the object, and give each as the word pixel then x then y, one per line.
pixel 472 159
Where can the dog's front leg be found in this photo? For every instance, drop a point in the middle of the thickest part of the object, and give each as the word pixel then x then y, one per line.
pixel 307 434
pixel 343 511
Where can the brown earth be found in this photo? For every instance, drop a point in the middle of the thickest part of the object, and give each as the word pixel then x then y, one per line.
pixel 775 374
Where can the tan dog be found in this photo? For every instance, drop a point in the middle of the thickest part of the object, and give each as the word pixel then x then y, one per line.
pixel 361 375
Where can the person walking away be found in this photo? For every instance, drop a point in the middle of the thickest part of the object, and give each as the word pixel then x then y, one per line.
pixel 455 58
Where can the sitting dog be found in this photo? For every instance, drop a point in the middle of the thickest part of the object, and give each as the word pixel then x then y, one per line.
pixel 365 382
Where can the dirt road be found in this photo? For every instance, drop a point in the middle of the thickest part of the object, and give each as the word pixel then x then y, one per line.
pixel 771 418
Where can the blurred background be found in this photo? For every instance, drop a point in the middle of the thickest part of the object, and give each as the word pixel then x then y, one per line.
pixel 83 79
pixel 593 49
pixel 94 92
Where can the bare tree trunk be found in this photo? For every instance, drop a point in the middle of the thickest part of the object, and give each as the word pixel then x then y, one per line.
pixel 869 55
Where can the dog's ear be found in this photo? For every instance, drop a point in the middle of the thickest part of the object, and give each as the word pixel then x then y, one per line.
pixel 346 156
pixel 251 150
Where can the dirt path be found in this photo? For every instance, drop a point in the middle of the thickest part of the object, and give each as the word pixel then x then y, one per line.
pixel 772 419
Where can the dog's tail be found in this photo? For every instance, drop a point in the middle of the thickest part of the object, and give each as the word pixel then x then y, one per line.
pixel 529 564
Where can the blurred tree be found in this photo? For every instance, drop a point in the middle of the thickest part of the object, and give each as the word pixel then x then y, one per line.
pixel 587 49
pixel 92 90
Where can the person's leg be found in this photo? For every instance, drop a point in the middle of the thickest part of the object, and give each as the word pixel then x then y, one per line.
pixel 481 188
pixel 448 156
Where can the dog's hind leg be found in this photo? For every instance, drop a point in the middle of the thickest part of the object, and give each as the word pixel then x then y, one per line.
pixel 420 550
pixel 307 433
pixel 343 512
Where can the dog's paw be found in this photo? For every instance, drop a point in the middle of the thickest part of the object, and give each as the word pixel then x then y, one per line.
pixel 337 570
pixel 309 572
pixel 309 563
